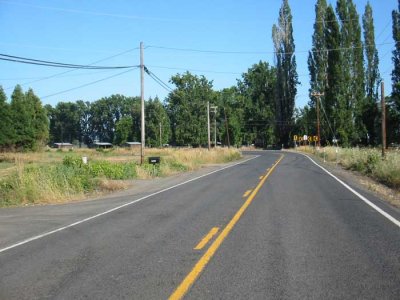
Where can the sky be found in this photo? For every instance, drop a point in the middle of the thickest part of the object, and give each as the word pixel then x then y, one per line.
pixel 219 39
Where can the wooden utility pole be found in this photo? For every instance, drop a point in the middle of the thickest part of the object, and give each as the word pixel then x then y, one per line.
pixel 383 119
pixel 227 128
pixel 142 103
pixel 214 111
pixel 160 137
pixel 208 124
pixel 318 96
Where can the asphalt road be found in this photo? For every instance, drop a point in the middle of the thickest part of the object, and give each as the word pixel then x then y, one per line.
pixel 278 228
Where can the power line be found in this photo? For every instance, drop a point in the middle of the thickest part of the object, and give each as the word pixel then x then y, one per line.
pixel 383 30
pixel 73 70
pixel 194 70
pixel 261 52
pixel 71 75
pixel 47 63
pixel 158 80
pixel 87 84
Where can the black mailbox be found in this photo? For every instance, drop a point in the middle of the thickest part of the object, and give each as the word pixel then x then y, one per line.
pixel 154 160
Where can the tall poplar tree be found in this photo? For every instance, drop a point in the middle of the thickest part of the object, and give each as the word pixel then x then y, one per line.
pixel 318 64
pixel 393 127
pixel 353 70
pixel 372 77
pixel 287 78
pixel 335 104
pixel 396 57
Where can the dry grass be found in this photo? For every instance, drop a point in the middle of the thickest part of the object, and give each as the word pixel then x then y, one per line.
pixel 383 175
pixel 59 176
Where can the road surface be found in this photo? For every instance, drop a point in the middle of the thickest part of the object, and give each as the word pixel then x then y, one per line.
pixel 274 226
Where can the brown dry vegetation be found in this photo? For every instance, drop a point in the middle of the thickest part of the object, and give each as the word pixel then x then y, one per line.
pixel 57 176
pixel 379 175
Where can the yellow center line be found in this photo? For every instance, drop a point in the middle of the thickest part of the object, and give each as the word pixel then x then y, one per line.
pixel 261 177
pixel 246 193
pixel 207 238
pixel 189 280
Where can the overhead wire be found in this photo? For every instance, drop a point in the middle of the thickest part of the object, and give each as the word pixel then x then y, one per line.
pixel 87 84
pixel 26 60
pixel 73 70
pixel 158 80
pixel 262 52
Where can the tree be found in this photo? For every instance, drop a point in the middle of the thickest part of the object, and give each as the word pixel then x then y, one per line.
pixel 258 90
pixel 372 77
pixel 187 108
pixel 65 122
pixel 157 121
pixel 334 107
pixel 318 66
pixel 287 77
pixel 352 71
pixel 40 123
pixel 123 130
pixel 7 134
pixel 230 116
pixel 30 120
pixel 394 101
pixel 106 112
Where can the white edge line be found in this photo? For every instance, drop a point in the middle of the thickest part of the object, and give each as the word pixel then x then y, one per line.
pixel 118 207
pixel 378 209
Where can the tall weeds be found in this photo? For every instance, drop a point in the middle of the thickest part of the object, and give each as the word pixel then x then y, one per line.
pixel 56 177
pixel 366 161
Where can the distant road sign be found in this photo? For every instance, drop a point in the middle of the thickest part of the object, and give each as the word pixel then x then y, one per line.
pixel 305 137
pixel 295 138
pixel 310 138
pixel 315 138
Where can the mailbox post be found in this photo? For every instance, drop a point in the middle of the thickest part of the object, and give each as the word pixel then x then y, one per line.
pixel 154 160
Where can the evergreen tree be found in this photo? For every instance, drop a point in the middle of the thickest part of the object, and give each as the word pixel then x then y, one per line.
pixel 30 120
pixel 6 123
pixel 40 123
pixel 21 114
pixel 372 77
pixel 287 77
pixel 156 119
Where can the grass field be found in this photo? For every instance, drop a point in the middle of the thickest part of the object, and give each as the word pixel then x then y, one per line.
pixel 367 161
pixel 55 176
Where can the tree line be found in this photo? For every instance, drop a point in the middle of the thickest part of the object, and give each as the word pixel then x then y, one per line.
pixel 259 109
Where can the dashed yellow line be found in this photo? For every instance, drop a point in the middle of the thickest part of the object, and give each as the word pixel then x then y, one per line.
pixel 206 238
pixel 189 280
pixel 246 193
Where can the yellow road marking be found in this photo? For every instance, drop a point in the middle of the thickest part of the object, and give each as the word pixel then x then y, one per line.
pixel 207 238
pixel 261 177
pixel 246 193
pixel 186 284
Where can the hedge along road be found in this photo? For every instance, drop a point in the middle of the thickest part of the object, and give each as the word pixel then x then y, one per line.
pixel 274 229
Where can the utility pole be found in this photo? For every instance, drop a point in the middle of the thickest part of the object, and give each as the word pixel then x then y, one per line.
pixel 227 128
pixel 383 119
pixel 208 124
pixel 318 96
pixel 160 137
pixel 142 103
pixel 214 111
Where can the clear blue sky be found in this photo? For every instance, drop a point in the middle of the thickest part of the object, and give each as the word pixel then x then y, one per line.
pixel 82 32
